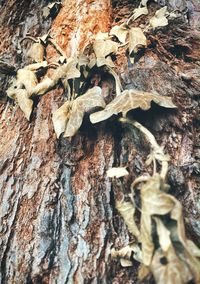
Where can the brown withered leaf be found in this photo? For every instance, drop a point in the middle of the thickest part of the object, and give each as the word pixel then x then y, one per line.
pixel 91 99
pixel 159 19
pixel 127 211
pixel 168 268
pixel 131 99
pixel 60 118
pixel 137 39
pixel 120 32
pixel 36 52
pixel 24 102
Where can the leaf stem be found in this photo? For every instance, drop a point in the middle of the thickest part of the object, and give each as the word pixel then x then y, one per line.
pixel 151 139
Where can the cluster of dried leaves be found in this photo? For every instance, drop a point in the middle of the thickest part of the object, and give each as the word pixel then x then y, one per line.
pixel 74 71
pixel 160 245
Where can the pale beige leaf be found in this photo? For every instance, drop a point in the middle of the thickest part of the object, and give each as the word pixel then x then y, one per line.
pixel 11 91
pixel 105 61
pixel 127 254
pixel 36 66
pixel 91 99
pixel 36 52
pixel 68 70
pixel 159 19
pixel 146 238
pixel 127 211
pixel 163 234
pixel 118 85
pixel 117 172
pixel 24 102
pixel 43 87
pixel 101 36
pixel 103 48
pixel 139 12
pixel 137 39
pixel 120 32
pixel 28 79
pixel 60 118
pixel 131 99
pixel 167 268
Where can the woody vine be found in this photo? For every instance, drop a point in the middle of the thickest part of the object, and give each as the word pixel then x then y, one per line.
pixel 160 243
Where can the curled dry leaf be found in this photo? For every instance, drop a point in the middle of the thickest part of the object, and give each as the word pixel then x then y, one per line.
pixel 43 87
pixel 24 102
pixel 100 61
pixel 159 19
pixel 36 52
pixel 163 234
pixel 103 48
pixel 68 70
pixel 28 79
pixel 117 172
pixel 118 85
pixel 91 99
pixel 127 254
pixel 36 66
pixel 168 268
pixel 131 99
pixel 101 36
pixel 127 211
pixel 137 39
pixel 60 118
pixel 138 12
pixel 120 32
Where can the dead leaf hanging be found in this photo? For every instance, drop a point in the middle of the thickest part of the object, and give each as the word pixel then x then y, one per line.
pixel 28 79
pixel 68 70
pixel 117 172
pixel 91 99
pixel 127 211
pixel 24 102
pixel 137 39
pixel 60 118
pixel 36 52
pixel 131 99
pixel 159 19
pixel 120 32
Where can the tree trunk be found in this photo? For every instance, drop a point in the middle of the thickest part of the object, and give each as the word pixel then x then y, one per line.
pixel 58 218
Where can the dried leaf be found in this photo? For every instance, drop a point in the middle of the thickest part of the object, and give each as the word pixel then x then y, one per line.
pixel 105 61
pixel 103 48
pixel 131 99
pixel 36 66
pixel 24 102
pixel 60 118
pixel 163 234
pixel 139 12
pixel 91 99
pixel 120 32
pixel 137 39
pixel 127 254
pixel 28 79
pixel 68 70
pixel 159 19
pixel 118 85
pixel 36 52
pixel 127 211
pixel 101 36
pixel 117 172
pixel 44 86
pixel 168 268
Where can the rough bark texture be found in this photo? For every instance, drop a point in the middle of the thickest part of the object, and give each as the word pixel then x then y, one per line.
pixel 57 214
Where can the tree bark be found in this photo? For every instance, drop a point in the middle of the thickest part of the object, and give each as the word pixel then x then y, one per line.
pixel 58 218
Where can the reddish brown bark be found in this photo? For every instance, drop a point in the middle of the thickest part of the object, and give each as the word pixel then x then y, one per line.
pixel 58 219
